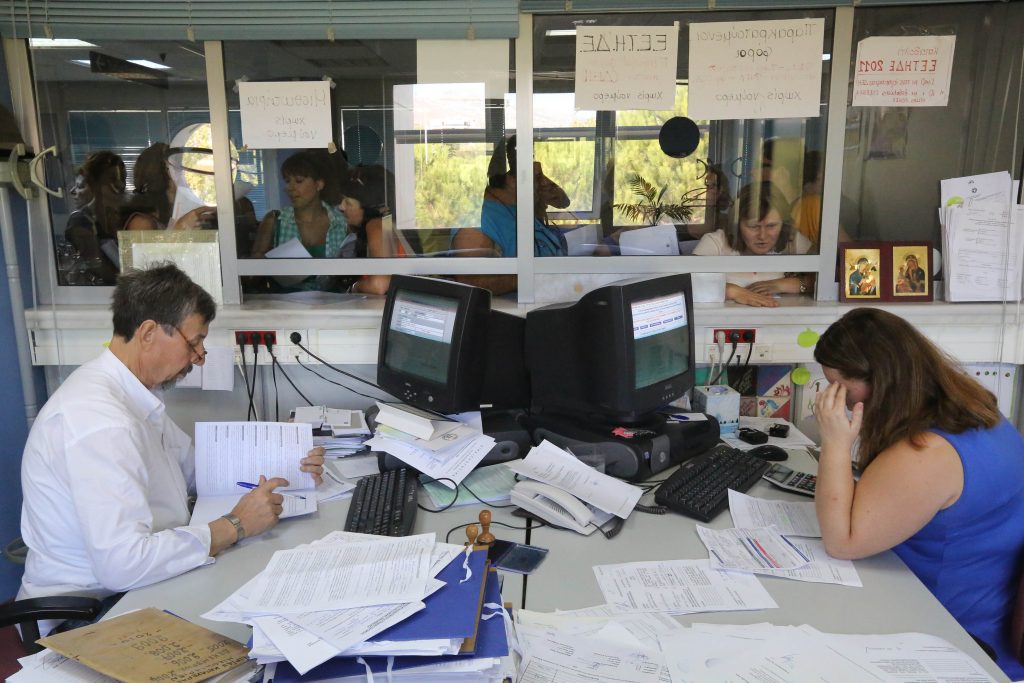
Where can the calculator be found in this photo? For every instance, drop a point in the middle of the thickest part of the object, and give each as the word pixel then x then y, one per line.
pixel 791 480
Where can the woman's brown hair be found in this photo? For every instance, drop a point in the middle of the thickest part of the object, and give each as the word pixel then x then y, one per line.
pixel 914 386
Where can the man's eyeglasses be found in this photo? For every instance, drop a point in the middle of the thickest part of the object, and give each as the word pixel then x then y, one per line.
pixel 192 347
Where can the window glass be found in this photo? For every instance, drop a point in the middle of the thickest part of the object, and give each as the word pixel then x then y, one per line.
pixel 119 115
pixel 637 186
pixel 413 126
pixel 895 157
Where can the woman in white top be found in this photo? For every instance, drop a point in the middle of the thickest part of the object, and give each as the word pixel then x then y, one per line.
pixel 764 228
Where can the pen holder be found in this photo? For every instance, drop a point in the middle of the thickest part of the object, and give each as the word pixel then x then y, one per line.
pixel 720 401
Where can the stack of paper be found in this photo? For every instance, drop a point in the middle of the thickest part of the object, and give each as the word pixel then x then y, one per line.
pixel 982 238
pixel 229 454
pixel 443 449
pixel 317 609
pixel 340 432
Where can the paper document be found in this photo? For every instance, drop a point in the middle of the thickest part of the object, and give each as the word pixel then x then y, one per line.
pixel 822 568
pixel 410 420
pixel 490 484
pixel 448 467
pixel 339 576
pixel 550 464
pixel 790 517
pixel 750 549
pixel 679 587
pixel 230 452
pixel 567 659
pixel 209 508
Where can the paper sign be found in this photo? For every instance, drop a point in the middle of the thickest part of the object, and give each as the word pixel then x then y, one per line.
pixel 626 67
pixel 150 645
pixel 285 115
pixel 903 71
pixel 756 69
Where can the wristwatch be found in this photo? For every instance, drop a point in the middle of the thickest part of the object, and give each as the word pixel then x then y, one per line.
pixel 237 523
pixel 803 284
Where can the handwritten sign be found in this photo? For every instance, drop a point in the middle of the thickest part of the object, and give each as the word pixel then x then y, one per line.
pixel 626 67
pixel 903 71
pixel 285 115
pixel 756 69
pixel 150 646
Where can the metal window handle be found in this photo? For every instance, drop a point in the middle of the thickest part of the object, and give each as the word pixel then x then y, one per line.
pixel 36 177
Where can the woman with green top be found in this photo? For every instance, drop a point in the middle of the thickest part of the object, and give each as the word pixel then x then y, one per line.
pixel 318 226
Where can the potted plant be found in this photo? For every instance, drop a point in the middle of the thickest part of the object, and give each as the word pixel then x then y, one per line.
pixel 651 206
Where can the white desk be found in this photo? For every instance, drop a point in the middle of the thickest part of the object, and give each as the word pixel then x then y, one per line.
pixel 201 589
pixel 891 601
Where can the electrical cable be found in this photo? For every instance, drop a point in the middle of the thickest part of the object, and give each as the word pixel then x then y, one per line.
pixel 308 402
pixel 245 374
pixel 296 339
pixel 428 480
pixel 273 374
pixel 750 351
pixel 337 384
pixel 725 365
pixel 255 376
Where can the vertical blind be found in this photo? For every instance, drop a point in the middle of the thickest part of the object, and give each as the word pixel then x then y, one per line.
pixel 259 19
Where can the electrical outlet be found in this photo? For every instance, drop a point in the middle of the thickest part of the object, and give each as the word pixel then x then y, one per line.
pixel 745 335
pixel 289 351
pixel 762 353
pixel 261 337
pixel 712 353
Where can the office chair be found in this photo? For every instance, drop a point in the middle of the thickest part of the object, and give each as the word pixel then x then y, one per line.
pixel 1017 628
pixel 28 612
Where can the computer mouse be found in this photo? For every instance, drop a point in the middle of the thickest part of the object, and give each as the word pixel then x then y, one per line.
pixel 770 453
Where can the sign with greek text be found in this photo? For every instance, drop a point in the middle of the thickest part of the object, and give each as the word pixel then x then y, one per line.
pixel 756 69
pixel 626 67
pixel 903 71
pixel 285 115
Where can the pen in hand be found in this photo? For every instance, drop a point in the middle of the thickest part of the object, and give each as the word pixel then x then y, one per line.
pixel 249 485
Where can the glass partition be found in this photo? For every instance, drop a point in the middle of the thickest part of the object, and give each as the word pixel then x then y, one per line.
pixel 130 123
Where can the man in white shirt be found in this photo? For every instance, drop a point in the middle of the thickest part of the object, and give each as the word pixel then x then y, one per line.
pixel 106 474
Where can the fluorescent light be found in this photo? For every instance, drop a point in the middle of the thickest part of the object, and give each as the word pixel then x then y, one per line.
pixel 58 42
pixel 81 62
pixel 826 57
pixel 560 32
pixel 148 64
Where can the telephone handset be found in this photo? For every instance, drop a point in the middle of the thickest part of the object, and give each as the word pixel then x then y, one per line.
pixel 559 507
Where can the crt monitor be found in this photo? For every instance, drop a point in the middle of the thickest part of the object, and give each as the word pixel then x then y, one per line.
pixel 433 343
pixel 615 356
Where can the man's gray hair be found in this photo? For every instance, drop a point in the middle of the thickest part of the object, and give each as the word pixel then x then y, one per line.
pixel 163 294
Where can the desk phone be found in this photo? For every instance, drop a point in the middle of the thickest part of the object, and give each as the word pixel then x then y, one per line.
pixel 791 480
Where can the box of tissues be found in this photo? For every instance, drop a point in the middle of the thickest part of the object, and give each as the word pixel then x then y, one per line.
pixel 720 401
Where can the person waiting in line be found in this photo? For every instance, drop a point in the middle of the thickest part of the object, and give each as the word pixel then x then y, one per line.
pixel 152 203
pixel 763 228
pixel 942 471
pixel 92 227
pixel 365 211
pixel 717 203
pixel 807 208
pixel 497 233
pixel 316 224
pixel 106 474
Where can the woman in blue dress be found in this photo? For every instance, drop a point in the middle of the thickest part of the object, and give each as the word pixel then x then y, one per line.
pixel 942 480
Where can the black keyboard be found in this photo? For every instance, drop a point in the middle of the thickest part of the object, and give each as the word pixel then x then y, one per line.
pixel 384 504
pixel 700 487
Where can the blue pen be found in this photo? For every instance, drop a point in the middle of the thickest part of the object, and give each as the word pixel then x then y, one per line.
pixel 248 485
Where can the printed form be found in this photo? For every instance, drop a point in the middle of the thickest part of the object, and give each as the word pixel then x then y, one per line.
pixel 789 517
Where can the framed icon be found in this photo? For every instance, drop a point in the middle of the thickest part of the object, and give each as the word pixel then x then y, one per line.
pixel 912 271
pixel 861 271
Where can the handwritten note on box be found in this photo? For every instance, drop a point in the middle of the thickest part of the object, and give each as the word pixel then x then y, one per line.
pixel 756 69
pixel 285 115
pixel 903 71
pixel 626 67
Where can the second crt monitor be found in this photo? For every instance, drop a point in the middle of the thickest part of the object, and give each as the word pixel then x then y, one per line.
pixel 617 355
pixel 433 340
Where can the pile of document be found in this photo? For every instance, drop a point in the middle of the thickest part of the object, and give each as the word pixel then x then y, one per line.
pixel 356 605
pixel 982 238
pixel 443 448
pixel 340 432
pixel 596 644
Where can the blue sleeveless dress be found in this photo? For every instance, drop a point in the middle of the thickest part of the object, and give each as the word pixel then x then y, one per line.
pixel 969 554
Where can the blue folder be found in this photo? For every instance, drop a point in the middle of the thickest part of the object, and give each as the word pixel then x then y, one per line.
pixel 490 642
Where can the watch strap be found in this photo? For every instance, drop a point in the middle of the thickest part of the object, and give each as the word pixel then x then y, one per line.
pixel 237 523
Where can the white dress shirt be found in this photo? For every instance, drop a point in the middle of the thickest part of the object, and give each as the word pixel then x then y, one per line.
pixel 105 478
pixel 715 244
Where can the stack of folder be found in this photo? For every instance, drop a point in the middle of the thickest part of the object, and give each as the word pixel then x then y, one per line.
pixel 456 632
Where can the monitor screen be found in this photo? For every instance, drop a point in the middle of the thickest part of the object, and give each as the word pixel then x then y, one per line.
pixel 433 340
pixel 420 337
pixel 660 346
